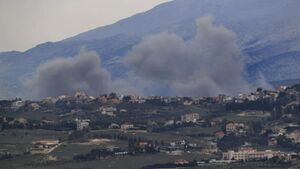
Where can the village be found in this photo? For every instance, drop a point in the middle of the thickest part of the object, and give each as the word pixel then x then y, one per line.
pixel 260 127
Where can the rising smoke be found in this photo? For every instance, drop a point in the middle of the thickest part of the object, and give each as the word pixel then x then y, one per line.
pixel 68 75
pixel 209 64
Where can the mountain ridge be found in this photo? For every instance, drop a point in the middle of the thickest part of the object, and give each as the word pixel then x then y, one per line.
pixel 267 35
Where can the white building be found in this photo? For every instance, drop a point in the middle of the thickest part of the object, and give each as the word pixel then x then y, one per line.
pixel 82 124
pixel 192 117
pixel 294 136
pixel 251 154
pixel 18 104
pixel 127 126
pixel 169 122
pixel 43 146
pixel 236 128
pixel 109 111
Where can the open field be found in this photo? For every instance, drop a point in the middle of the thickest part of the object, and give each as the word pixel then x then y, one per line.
pixel 17 141
pixel 127 162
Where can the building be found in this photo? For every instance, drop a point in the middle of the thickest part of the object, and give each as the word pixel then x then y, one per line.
pixel 80 96
pixel 43 146
pixel 294 136
pixel 82 124
pixel 230 127
pixel 181 162
pixel 188 103
pixel 219 135
pixel 236 128
pixel 109 111
pixel 169 123
pixel 126 126
pixel 254 114
pixel 190 118
pixel 272 141
pixel 114 126
pixel 17 104
pixel 247 154
pixel 210 148
pixel 50 100
pixel 35 106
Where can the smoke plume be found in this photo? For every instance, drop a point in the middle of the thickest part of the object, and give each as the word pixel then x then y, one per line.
pixel 209 64
pixel 68 75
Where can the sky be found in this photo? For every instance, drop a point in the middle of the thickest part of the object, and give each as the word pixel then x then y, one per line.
pixel 27 23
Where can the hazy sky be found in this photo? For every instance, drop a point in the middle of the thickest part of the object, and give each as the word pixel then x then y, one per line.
pixel 26 23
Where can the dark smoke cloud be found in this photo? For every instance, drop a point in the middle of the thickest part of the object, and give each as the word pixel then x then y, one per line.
pixel 209 64
pixel 68 75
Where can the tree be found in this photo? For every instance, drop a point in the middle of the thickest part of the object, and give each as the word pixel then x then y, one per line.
pixel 257 127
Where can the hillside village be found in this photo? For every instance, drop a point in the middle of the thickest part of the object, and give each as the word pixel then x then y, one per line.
pixel 260 128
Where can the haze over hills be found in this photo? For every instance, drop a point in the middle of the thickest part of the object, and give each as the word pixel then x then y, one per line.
pixel 267 34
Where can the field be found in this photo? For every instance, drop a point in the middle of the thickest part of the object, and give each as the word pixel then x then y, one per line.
pixel 17 141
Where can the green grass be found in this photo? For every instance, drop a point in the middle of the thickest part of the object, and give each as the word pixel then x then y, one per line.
pixel 235 118
pixel 195 130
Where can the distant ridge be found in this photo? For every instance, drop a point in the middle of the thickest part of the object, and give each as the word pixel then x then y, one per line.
pixel 267 33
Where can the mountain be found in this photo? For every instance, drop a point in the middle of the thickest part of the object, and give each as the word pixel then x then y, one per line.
pixel 268 34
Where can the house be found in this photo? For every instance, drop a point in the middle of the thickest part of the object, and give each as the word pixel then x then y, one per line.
pixel 272 141
pixel 43 146
pixel 181 162
pixel 81 96
pixel 123 110
pixel 35 106
pixel 236 128
pixel 82 124
pixel 175 152
pixel 219 135
pixel 294 136
pixel 109 111
pixel 114 126
pixel 126 126
pixel 17 104
pixel 190 118
pixel 254 114
pixel 188 103
pixel 230 127
pixel 50 100
pixel 169 123
pixel 210 148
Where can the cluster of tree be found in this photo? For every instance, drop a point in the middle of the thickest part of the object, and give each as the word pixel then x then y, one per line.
pixel 295 87
pixel 260 104
pixel 230 142
pixel 135 146
pixel 200 135
pixel 97 154
pixel 12 123
pixel 287 143
pixel 279 161
pixel 123 137
pixel 76 135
